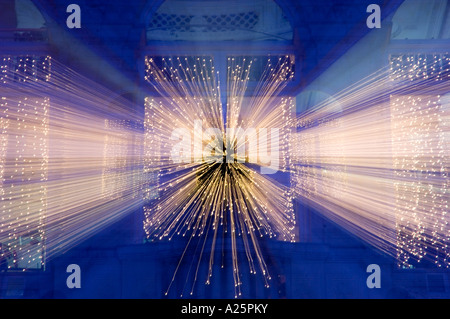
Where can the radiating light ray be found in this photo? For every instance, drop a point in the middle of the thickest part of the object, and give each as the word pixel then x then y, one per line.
pixel 373 158
pixel 67 161
pixel 261 110
pixel 211 192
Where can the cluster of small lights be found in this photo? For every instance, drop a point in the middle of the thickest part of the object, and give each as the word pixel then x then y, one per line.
pixel 319 160
pixel 25 69
pixel 23 163
pixel 418 141
pixel 3 144
pixel 387 145
pixel 316 157
pixel 198 197
pixel 24 171
pixel 152 152
pixel 421 180
pixel 287 107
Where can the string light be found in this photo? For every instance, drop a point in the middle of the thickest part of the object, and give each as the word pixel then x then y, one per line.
pixel 23 167
pixel 421 174
pixel 24 171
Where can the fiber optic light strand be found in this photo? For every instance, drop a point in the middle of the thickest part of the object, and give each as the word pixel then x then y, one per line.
pixel 373 158
pixel 208 199
pixel 68 168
